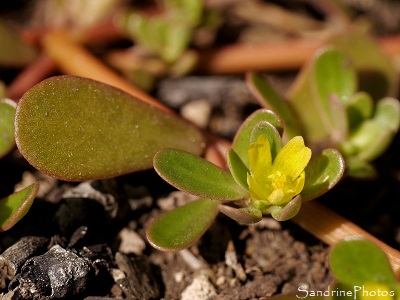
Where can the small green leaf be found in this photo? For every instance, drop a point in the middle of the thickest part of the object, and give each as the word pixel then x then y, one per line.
pixel 245 215
pixel 79 129
pixel 7 114
pixel 273 137
pixel 237 168
pixel 181 227
pixel 284 213
pixel 374 136
pixel 196 175
pixel 241 141
pixel 369 141
pixel 334 75
pixel 388 113
pixel 359 108
pixel 269 98
pixel 357 261
pixel 376 73
pixel 323 172
pixel 14 207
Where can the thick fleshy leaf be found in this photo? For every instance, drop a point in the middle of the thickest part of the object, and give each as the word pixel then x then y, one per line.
pixel 388 113
pixel 241 141
pixel 376 73
pixel 369 141
pixel 323 172
pixel 237 168
pixel 181 227
pixel 79 129
pixel 197 176
pixel 358 261
pixel 14 207
pixel 269 131
pixel 359 108
pixel 269 98
pixel 245 216
pixel 374 136
pixel 13 51
pixel 284 213
pixel 334 75
pixel 7 114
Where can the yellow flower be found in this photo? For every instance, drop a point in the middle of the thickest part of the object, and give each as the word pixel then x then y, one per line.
pixel 280 180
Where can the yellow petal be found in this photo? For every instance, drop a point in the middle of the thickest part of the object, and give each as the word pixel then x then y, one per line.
pixel 260 158
pixel 257 191
pixel 293 158
pixel 299 183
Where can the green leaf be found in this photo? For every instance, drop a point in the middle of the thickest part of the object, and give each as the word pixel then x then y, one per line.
pixel 14 207
pixel 241 141
pixel 334 75
pixel 196 175
pixel 237 168
pixel 13 51
pixel 323 172
pixel 357 261
pixel 388 113
pixel 359 108
pixel 375 71
pixel 284 213
pixel 371 139
pixel 7 114
pixel 79 129
pixel 322 88
pixel 269 98
pixel 182 227
pixel 274 139
pixel 374 136
pixel 245 215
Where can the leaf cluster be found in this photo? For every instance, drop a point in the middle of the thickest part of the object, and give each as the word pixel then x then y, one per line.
pixel 360 123
pixel 228 190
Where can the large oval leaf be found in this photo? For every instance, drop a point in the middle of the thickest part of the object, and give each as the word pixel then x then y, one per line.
pixel 196 176
pixel 358 261
pixel 181 227
pixel 7 114
pixel 14 207
pixel 322 173
pixel 79 129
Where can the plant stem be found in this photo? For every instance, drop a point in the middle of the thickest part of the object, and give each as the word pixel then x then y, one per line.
pixel 74 59
pixel 330 228
pixel 282 55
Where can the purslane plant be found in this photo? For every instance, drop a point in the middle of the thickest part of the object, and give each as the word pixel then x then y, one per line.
pixel 352 121
pixel 265 177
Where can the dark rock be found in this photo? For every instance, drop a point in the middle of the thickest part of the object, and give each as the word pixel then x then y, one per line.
pixel 15 256
pixel 57 274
